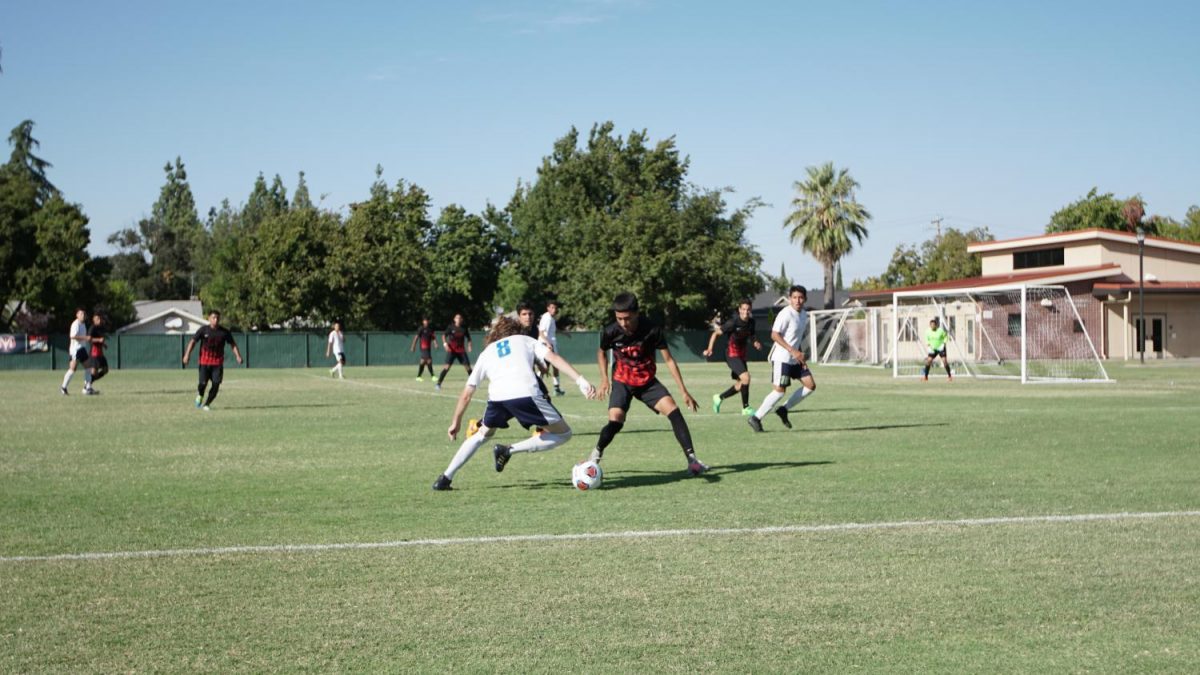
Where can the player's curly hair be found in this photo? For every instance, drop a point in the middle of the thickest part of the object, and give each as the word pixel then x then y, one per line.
pixel 505 327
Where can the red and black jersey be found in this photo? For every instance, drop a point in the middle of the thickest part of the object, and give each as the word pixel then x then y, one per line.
pixel 425 337
pixel 98 344
pixel 739 333
pixel 456 339
pixel 633 355
pixel 212 344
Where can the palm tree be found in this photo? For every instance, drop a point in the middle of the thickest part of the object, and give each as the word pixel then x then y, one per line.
pixel 825 217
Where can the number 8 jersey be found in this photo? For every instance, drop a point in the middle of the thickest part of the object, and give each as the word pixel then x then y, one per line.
pixel 508 366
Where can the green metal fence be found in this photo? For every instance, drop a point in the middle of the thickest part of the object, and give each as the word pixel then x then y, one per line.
pixel 306 350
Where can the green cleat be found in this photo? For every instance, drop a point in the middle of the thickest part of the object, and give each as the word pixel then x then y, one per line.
pixel 748 411
pixel 716 403
pixel 199 401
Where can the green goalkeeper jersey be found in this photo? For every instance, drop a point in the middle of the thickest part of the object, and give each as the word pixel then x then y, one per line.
pixel 936 338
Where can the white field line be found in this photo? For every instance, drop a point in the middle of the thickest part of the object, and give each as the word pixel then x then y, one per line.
pixel 595 536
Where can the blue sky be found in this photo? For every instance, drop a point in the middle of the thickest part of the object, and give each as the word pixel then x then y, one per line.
pixel 991 114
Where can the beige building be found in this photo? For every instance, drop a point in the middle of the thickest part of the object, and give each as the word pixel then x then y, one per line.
pixel 1100 269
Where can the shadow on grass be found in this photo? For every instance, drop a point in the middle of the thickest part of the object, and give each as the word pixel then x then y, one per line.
pixel 634 479
pixel 880 427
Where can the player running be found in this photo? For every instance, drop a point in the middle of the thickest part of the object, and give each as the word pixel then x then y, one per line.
pixel 514 391
pixel 79 352
pixel 548 333
pixel 97 362
pixel 740 330
pixel 457 342
pixel 212 339
pixel 336 344
pixel 936 338
pixel 633 341
pixel 424 337
pixel 787 361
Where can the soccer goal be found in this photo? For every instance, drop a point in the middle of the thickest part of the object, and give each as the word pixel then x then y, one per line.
pixel 847 337
pixel 1022 332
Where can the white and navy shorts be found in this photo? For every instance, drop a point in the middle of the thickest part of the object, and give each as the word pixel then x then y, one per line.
pixel 782 374
pixel 341 357
pixel 531 411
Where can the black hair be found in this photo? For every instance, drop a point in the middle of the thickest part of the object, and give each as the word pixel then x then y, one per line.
pixel 522 306
pixel 746 301
pixel 625 302
pixel 800 288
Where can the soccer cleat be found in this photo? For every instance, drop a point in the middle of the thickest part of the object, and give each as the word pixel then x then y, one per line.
pixel 199 401
pixel 442 483
pixel 696 467
pixel 437 387
pixel 420 379
pixel 206 409
pixel 783 417
pixel 716 403
pixel 64 391
pixel 755 423
pixel 501 454
pixel 748 411
pixel 558 391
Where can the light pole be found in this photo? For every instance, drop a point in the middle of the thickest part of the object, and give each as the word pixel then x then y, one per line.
pixel 1141 239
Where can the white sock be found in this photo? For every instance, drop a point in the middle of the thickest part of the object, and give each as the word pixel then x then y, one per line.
pixel 465 451
pixel 542 442
pixel 556 383
pixel 338 368
pixel 768 404
pixel 87 380
pixel 797 396
pixel 67 378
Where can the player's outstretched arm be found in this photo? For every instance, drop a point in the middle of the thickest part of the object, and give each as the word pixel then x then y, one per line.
pixel 464 399
pixel 712 340
pixel 187 353
pixel 237 353
pixel 675 373
pixel 565 366
pixel 602 361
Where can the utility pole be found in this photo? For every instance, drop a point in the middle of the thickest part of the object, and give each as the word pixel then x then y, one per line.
pixel 937 222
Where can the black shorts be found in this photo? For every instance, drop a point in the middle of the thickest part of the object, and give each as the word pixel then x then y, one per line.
pixel 341 358
pixel 212 374
pixel 81 355
pixel 531 411
pixel 938 352
pixel 426 355
pixel 623 394
pixel 737 366
pixel 98 362
pixel 782 374
pixel 461 357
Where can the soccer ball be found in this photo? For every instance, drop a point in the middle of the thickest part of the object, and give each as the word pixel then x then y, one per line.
pixel 586 475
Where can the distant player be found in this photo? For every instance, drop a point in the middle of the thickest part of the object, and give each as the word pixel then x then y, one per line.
pixel 787 360
pixel 336 345
pixel 514 391
pixel 79 352
pixel 548 333
pixel 740 330
pixel 935 339
pixel 633 341
pixel 426 338
pixel 212 339
pixel 97 362
pixel 457 342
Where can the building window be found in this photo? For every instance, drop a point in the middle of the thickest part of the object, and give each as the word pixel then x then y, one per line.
pixel 1047 257
pixel 1014 325
pixel 1078 326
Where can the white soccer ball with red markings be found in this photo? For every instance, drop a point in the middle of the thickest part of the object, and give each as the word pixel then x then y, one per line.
pixel 586 475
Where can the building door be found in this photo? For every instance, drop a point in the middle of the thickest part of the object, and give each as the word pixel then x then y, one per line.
pixel 1155 338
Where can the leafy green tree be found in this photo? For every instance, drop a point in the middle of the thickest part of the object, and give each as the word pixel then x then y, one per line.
pixel 169 238
pixel 614 214
pixel 826 219
pixel 1188 230
pixel 230 287
pixel 462 267
pixel 376 269
pixel 945 257
pixel 301 198
pixel 286 266
pixel 1094 210
pixel 781 283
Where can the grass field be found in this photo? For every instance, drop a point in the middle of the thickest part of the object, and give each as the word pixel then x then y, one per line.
pixel 292 457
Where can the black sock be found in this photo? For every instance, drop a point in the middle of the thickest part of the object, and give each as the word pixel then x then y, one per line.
pixel 212 393
pixel 926 371
pixel 947 364
pixel 681 431
pixel 745 396
pixel 607 434
pixel 727 393
pixel 200 390
pixel 442 376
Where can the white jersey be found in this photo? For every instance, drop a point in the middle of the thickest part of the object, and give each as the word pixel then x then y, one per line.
pixel 791 325
pixel 337 342
pixel 78 332
pixel 508 366
pixel 548 327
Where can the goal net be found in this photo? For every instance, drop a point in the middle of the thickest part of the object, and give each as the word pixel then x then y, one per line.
pixel 847 337
pixel 1029 333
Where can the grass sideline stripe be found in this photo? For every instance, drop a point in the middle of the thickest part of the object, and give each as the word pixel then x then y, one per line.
pixel 587 536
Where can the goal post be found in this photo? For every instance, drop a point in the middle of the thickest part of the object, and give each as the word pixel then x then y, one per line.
pixel 1031 333
pixel 846 337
